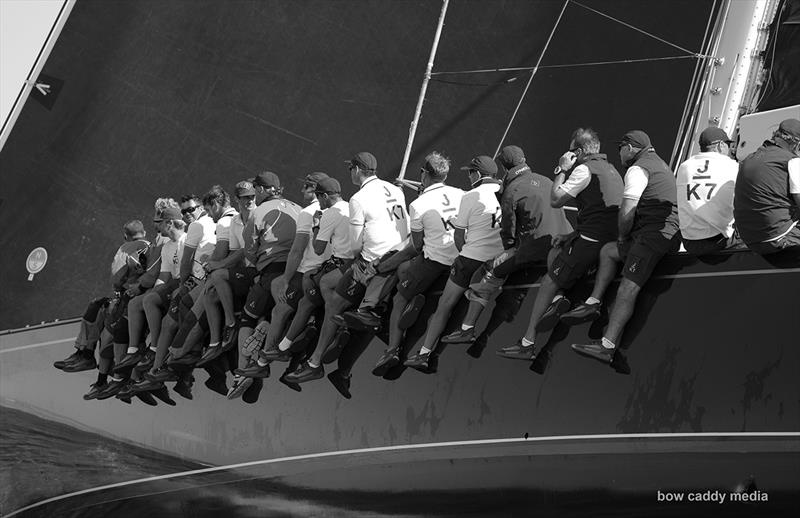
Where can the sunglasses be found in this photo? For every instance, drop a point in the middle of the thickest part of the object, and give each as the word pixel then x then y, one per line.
pixel 189 210
pixel 309 185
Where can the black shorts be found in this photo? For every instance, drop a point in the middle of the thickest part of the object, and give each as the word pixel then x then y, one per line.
pixel 164 291
pixel 240 278
pixel 419 276
pixel 642 253
pixel 349 288
pixel 294 291
pixel 311 287
pixel 576 258
pixel 259 298
pixel 463 269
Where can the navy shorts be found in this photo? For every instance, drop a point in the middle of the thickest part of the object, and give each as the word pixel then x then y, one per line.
pixel 311 286
pixel 420 275
pixel 164 291
pixel 259 298
pixel 294 291
pixel 576 258
pixel 240 278
pixel 463 269
pixel 349 288
pixel 643 252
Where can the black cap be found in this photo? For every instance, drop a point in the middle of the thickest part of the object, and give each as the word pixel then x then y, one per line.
pixel 267 179
pixel 328 186
pixel 711 135
pixel 790 127
pixel 364 160
pixel 485 165
pixel 512 156
pixel 636 138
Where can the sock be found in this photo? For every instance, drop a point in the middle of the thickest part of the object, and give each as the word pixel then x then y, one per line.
pixel 608 344
pixel 592 300
pixel 213 344
pixel 526 342
pixel 153 348
pixel 132 350
pixel 312 364
pixel 424 350
pixel 557 297
pixel 261 363
pixel 285 344
pixel 116 379
pixel 102 378
pixel 465 327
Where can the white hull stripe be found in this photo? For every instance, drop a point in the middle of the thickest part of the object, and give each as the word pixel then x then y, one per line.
pixel 481 442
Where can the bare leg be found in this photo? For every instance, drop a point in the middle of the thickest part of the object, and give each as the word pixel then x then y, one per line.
pixel 225 294
pixel 335 304
pixel 214 313
pixel 452 293
pixel 304 311
pixel 623 308
pixel 154 311
pixel 281 314
pixel 473 313
pixel 606 269
pixel 136 319
pixel 395 333
pixel 168 329
pixel 544 297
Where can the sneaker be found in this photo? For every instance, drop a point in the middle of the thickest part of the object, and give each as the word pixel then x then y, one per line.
pixel 240 384
pixel 581 313
pixel 255 341
pixel 552 314
pixel 77 355
pixel 146 363
pixel 255 371
pixel 518 352
pixel 126 392
pixel 190 359
pixel 229 336
pixel 476 349
pixel 459 336
pixel 362 320
pixel 411 312
pixel 335 349
pixel 163 373
pixel 146 385
pixel 250 362
pixel 595 350
pixel 294 386
pixel 304 373
pixel 390 359
pixel 217 384
pixel 94 390
pixel 418 361
pixel 341 383
pixel 85 363
pixel 273 354
pixel 128 361
pixel 110 389
pixel 210 354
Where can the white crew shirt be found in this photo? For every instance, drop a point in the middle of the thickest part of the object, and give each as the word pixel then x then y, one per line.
pixel 433 213
pixel 479 214
pixel 705 184
pixel 224 224
pixel 305 225
pixel 334 227
pixel 635 180
pixel 794 176
pixel 171 255
pixel 380 208
pixel 201 235
pixel 578 180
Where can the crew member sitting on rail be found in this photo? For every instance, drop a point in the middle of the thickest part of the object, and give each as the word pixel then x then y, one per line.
pixel 648 229
pixel 705 185
pixel 767 199
pixel 527 229
pixel 432 216
pixel 477 237
pixel 597 187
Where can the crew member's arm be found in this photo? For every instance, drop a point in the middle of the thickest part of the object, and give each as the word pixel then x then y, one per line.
pixel 252 237
pixel 461 223
pixel 508 220
pixel 636 180
pixel 357 222
pixel 331 217
pixel 164 274
pixel 392 262
pixel 794 180
pixel 299 244
pixel 565 189
pixel 186 262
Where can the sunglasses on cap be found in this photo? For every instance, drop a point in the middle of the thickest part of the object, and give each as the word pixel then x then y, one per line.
pixel 189 210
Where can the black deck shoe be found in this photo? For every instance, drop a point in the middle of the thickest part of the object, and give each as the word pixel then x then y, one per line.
pixel 162 393
pixel 240 384
pixel 294 386
pixel 250 363
pixel 595 351
pixel 459 336
pixel 476 349
pixel 146 363
pixel 583 312
pixel 333 351
pixel 85 363
pixel 418 361
pixel 111 389
pixel 341 383
pixel 127 391
pixel 183 389
pixel 209 354
pixel 305 372
pixel 411 312
pixel 252 393
pixel 190 358
pixel 146 385
pixel 518 352
pixel 77 355
pixel 128 361
pixel 390 359
pixel 229 336
pixel 552 314
pixel 362 320
pixel 217 384
pixel 94 390
pixel 163 373
pixel 255 371
pixel 273 354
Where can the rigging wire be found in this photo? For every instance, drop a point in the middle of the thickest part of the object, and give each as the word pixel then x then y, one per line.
pixel 530 80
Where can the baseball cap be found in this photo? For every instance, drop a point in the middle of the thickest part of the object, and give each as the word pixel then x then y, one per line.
pixel 328 185
pixel 314 177
pixel 364 160
pixel 483 164
pixel 791 127
pixel 245 188
pixel 512 155
pixel 712 135
pixel 636 138
pixel 168 214
pixel 267 179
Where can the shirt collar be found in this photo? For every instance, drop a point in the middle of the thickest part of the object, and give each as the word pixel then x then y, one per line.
pixel 368 180
pixel 437 185
pixel 515 172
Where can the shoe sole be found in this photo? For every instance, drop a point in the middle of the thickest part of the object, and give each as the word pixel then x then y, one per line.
pixel 294 386
pixel 381 369
pixel 70 368
pixel 549 321
pixel 354 323
pixel 305 379
pixel 457 340
pixel 237 391
pixel 257 375
pixel 585 354
pixel 526 358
